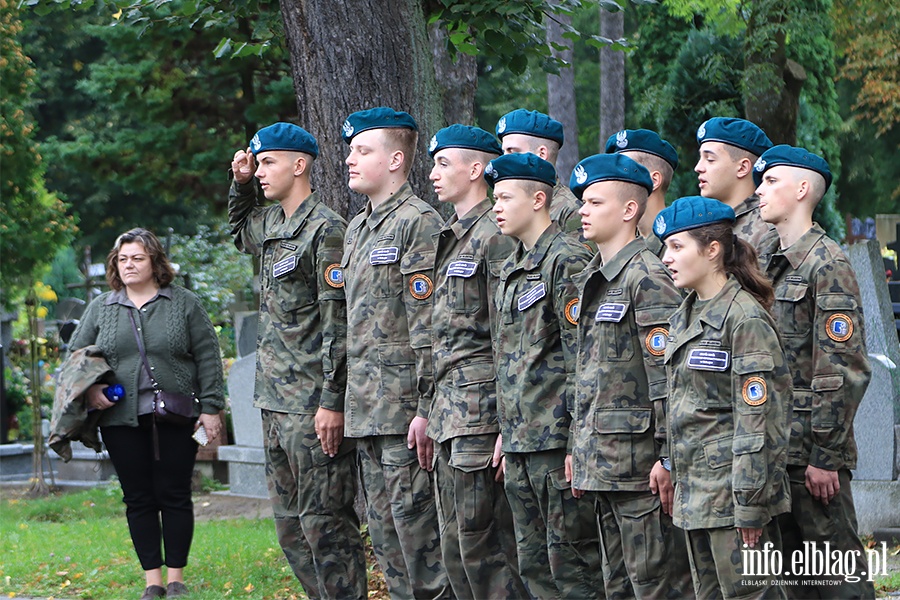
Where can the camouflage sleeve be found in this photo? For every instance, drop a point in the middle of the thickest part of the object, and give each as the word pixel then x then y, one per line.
pixel 416 268
pixel 758 374
pixel 245 216
pixel 565 304
pixel 841 369
pixel 499 249
pixel 655 300
pixel 333 315
pixel 204 347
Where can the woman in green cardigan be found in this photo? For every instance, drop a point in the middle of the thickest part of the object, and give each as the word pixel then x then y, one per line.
pixel 183 353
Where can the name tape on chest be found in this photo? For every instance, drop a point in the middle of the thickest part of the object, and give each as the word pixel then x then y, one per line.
pixel 611 312
pixel 709 360
pixel 531 296
pixel 461 268
pixel 284 266
pixel 288 246
pixel 384 256
pixel 334 275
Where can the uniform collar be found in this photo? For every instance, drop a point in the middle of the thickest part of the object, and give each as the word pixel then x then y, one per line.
pixel 800 249
pixel 655 244
pixel 532 259
pixel 374 216
pixel 290 227
pixel 461 226
pixel 747 205
pixel 712 314
pixel 612 269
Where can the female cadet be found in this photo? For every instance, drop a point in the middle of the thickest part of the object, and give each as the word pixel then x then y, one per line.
pixel 728 403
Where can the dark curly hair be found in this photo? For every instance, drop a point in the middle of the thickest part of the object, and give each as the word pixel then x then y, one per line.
pixel 162 268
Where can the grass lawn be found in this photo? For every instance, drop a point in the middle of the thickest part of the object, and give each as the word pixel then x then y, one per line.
pixel 76 545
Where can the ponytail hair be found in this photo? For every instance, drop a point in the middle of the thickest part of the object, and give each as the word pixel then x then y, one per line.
pixel 738 259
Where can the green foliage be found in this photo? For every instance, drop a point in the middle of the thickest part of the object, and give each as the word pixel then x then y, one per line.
pixel 214 269
pixel 139 128
pixel 33 223
pixel 63 271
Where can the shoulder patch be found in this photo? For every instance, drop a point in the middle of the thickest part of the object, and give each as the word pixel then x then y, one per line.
pixel 657 340
pixel 420 286
pixel 754 391
pixel 334 276
pixel 572 311
pixel 839 327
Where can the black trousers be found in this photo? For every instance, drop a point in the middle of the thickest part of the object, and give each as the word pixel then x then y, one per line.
pixel 157 493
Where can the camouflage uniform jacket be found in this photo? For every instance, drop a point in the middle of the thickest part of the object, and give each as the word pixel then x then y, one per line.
pixel 71 420
pixel 656 245
pixel 619 421
pixel 750 227
pixel 469 255
pixel 564 208
pixel 388 263
pixel 301 343
pixel 537 306
pixel 819 314
pixel 729 409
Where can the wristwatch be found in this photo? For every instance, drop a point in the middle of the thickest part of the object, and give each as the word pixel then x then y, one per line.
pixel 666 463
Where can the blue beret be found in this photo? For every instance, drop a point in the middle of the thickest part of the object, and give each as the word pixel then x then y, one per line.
pixel 530 122
pixel 690 212
pixel 523 165
pixel 791 157
pixel 284 136
pixel 642 140
pixel 608 167
pixel 734 132
pixel 381 117
pixel 463 136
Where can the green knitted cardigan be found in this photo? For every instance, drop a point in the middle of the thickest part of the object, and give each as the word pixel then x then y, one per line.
pixel 180 342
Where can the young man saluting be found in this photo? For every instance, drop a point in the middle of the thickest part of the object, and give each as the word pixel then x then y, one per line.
pixel 300 366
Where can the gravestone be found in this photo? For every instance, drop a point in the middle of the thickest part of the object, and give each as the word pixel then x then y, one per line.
pixel 876 489
pixel 245 328
pixel 245 458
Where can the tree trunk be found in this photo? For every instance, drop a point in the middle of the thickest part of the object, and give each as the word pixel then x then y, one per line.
pixel 350 55
pixel 561 96
pixel 772 82
pixel 612 77
pixel 457 79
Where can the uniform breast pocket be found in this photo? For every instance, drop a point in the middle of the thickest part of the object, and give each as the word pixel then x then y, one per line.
pixel 710 376
pixel 541 322
pixel 792 309
pixel 290 290
pixel 387 281
pixel 617 333
pixel 467 287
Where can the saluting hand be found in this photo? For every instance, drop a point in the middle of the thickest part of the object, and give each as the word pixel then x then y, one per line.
pixel 243 165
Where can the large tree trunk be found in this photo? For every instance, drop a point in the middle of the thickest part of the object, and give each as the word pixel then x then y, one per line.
pixel 457 79
pixel 561 96
pixel 772 82
pixel 612 77
pixel 349 55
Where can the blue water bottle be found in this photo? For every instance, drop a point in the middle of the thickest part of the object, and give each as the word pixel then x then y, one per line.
pixel 114 392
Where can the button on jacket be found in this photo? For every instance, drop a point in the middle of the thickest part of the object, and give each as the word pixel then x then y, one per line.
pixel 301 355
pixel 819 315
pixel 535 347
pixel 619 420
pixel 388 263
pixel 729 409
pixel 470 251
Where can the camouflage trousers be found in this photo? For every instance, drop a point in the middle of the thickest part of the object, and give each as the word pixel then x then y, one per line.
pixel 477 540
pixel 644 555
pixel 717 564
pixel 402 518
pixel 556 534
pixel 835 524
pixel 312 498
